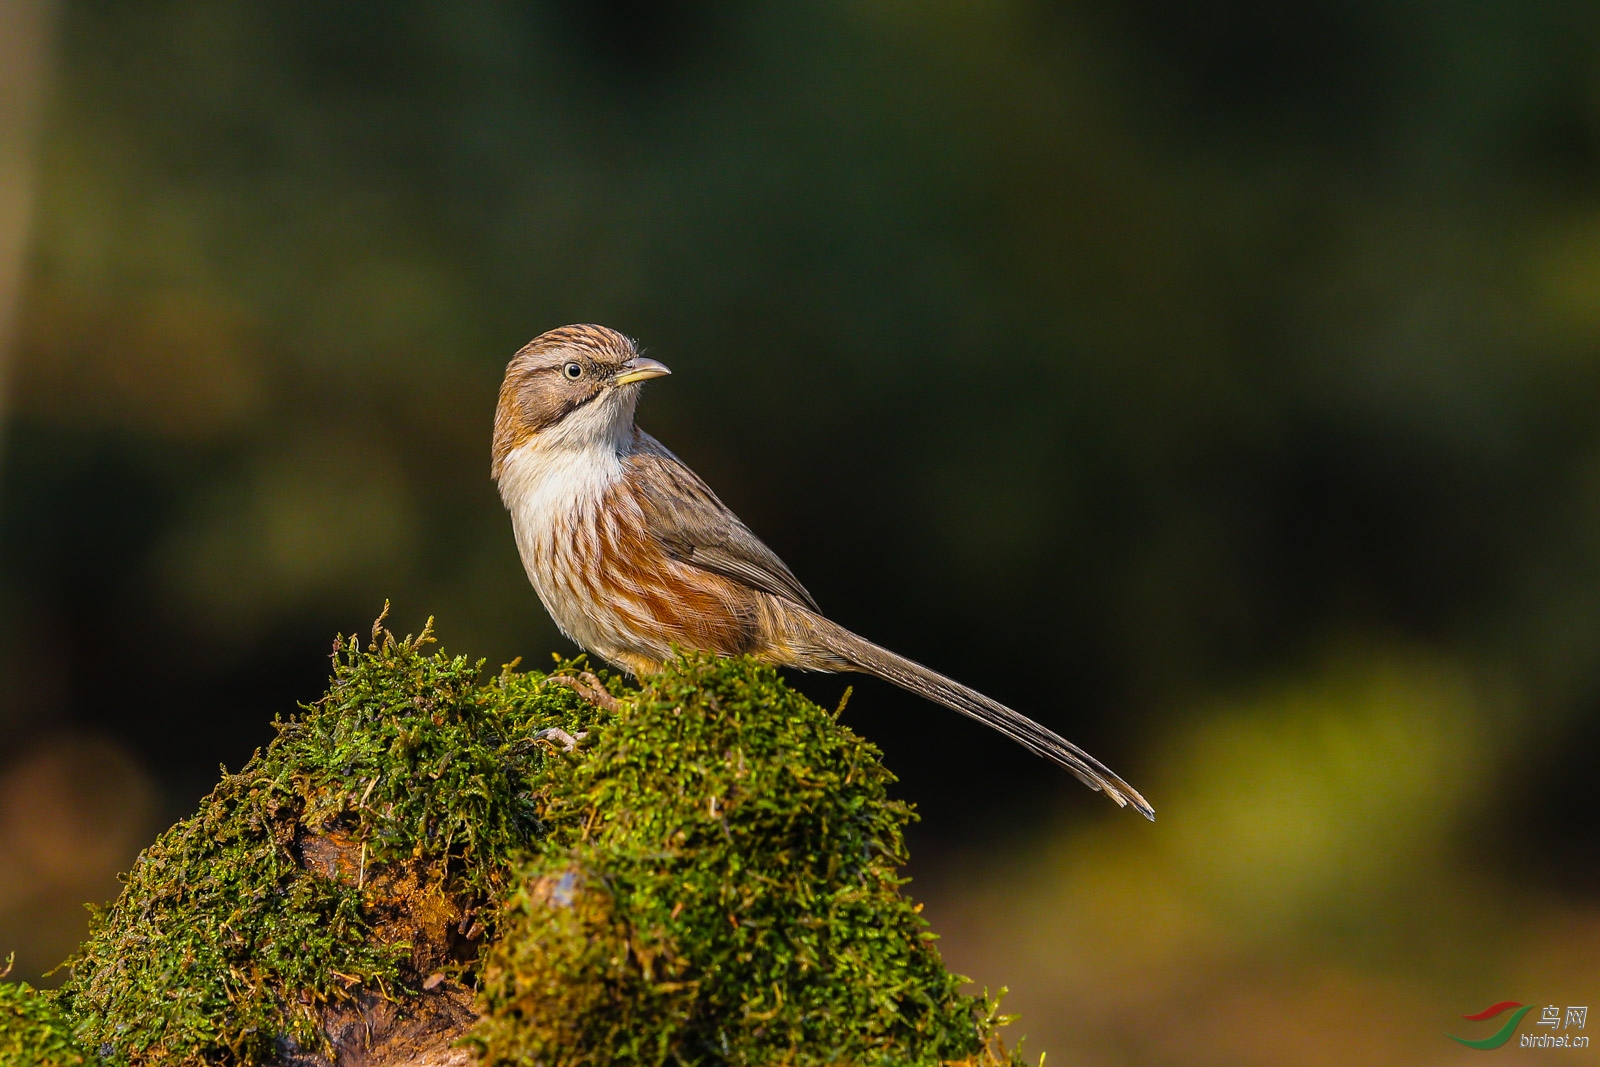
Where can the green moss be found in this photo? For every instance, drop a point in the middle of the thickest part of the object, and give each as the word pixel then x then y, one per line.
pixel 34 1032
pixel 720 886
pixel 408 788
pixel 710 879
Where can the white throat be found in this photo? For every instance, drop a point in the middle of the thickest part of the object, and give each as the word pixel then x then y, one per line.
pixel 564 472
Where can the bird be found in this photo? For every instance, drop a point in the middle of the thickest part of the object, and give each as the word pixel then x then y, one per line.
pixel 635 558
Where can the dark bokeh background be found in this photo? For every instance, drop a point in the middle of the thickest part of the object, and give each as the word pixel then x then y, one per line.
pixel 1219 383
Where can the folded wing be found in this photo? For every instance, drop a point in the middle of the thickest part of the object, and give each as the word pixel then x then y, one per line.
pixel 685 516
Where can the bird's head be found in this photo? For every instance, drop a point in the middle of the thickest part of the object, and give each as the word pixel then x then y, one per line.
pixel 575 386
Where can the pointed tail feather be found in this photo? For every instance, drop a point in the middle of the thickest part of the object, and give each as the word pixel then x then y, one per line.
pixel 865 656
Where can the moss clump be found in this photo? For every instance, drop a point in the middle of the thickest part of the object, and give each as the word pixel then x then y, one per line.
pixel 710 879
pixel 719 887
pixel 34 1032
pixel 347 862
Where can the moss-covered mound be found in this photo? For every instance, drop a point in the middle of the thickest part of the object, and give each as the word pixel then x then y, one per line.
pixel 364 851
pixel 34 1032
pixel 426 868
pixel 720 887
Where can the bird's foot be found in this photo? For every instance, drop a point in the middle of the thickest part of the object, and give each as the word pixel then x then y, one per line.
pixel 590 688
pixel 566 740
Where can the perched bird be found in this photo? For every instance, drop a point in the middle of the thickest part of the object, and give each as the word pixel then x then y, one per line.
pixel 633 554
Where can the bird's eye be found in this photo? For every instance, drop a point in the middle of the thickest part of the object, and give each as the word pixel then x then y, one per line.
pixel 573 370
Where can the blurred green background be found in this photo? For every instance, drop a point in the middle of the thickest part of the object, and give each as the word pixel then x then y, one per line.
pixel 1219 383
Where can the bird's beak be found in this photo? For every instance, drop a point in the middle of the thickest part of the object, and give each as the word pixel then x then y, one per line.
pixel 640 369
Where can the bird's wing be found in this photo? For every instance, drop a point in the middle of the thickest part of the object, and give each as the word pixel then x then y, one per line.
pixel 685 516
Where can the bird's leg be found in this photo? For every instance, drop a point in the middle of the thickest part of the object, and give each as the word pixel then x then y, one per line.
pixel 586 685
pixel 590 688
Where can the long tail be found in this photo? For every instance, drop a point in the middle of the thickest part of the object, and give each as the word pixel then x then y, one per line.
pixel 863 655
